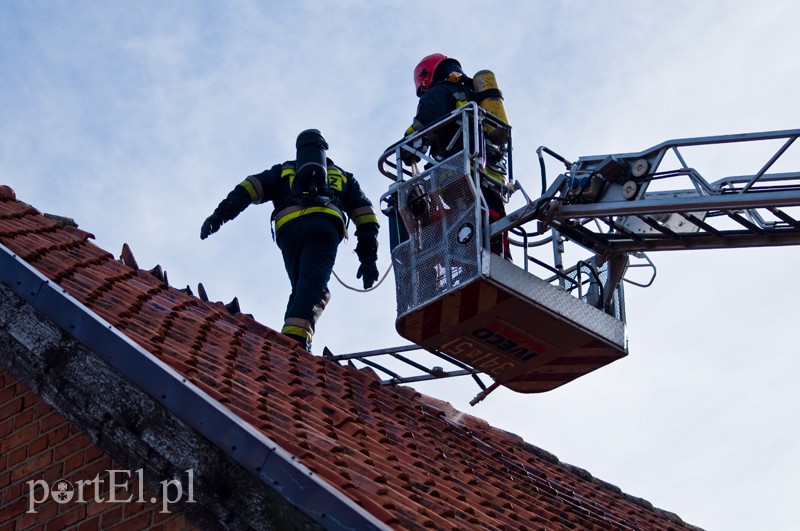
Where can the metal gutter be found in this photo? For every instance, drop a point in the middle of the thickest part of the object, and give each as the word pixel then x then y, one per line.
pixel 276 468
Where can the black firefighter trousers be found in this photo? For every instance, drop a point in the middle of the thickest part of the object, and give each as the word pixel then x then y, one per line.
pixel 308 245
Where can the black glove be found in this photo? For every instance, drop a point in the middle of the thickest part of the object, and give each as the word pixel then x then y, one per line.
pixel 368 270
pixel 210 226
pixel 408 158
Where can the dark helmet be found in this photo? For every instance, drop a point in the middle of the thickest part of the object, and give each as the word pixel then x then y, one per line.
pixel 311 136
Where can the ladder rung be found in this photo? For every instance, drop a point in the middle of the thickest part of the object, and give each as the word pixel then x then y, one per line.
pixel 746 223
pixel 700 223
pixel 785 217
pixel 660 228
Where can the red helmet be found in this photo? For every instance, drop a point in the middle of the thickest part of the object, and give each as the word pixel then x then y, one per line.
pixel 423 73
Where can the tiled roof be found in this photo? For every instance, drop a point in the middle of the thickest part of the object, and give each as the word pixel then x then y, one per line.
pixel 409 459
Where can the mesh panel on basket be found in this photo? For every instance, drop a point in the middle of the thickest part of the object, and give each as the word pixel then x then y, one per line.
pixel 439 211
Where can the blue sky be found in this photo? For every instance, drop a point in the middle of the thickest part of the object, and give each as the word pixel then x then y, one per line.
pixel 137 118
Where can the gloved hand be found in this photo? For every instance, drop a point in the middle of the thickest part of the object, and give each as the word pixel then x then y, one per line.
pixel 408 157
pixel 368 270
pixel 210 226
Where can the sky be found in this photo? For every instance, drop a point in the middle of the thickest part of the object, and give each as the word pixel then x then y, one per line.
pixel 137 118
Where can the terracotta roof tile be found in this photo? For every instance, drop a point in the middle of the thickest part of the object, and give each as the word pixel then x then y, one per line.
pixel 409 459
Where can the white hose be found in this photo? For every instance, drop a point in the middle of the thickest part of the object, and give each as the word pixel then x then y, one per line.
pixel 364 290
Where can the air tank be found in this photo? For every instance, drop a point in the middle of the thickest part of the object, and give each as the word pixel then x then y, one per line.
pixel 491 99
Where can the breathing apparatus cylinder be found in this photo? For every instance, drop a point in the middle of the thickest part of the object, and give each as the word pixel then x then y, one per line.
pixel 311 175
pixel 490 98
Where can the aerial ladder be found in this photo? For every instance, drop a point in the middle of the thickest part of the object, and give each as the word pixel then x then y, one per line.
pixel 532 323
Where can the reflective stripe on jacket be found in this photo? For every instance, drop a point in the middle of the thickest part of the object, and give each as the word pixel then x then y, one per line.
pixel 347 198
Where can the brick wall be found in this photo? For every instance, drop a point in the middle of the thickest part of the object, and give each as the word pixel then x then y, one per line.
pixel 38 447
